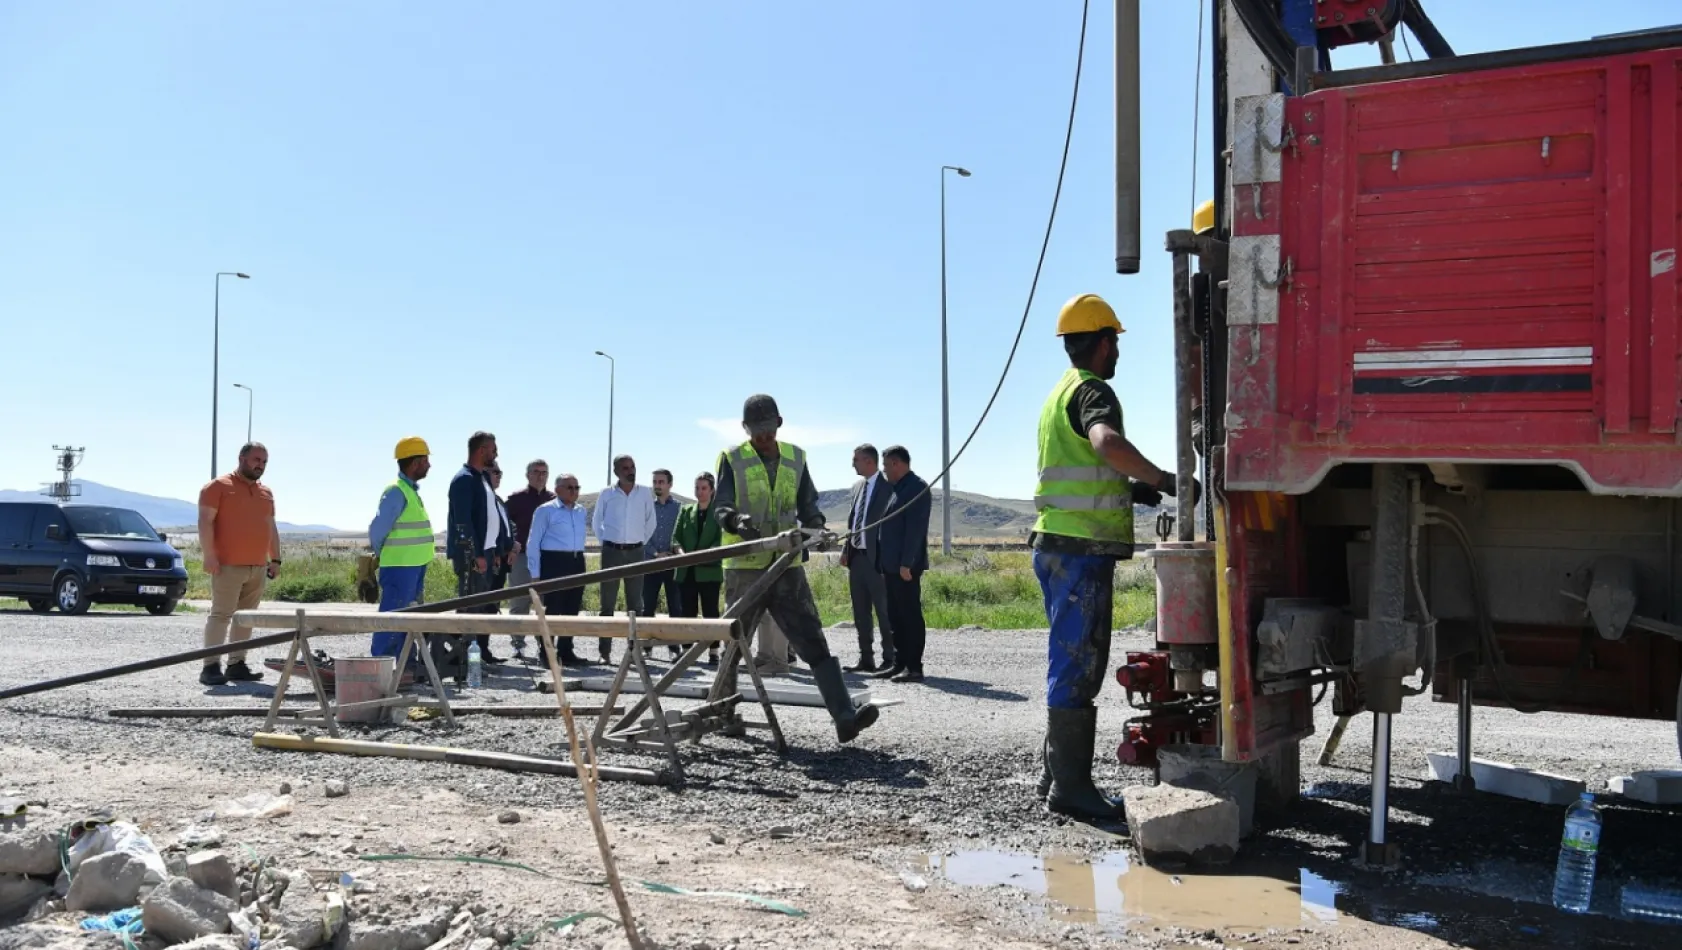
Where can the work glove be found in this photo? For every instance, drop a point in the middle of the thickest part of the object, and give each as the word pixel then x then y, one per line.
pixel 1145 494
pixel 746 529
pixel 1171 489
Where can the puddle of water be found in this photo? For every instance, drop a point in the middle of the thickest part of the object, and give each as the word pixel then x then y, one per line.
pixel 1115 892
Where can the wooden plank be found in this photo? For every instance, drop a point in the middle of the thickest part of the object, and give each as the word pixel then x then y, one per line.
pixel 342 622
pixel 302 712
pixel 432 753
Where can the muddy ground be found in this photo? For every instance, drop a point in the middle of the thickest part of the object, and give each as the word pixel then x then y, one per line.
pixel 939 793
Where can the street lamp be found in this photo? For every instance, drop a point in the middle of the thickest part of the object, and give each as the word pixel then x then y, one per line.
pixel 216 362
pixel 612 369
pixel 945 392
pixel 250 397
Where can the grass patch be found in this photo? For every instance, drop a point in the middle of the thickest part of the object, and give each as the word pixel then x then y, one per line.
pixel 994 590
pixel 9 603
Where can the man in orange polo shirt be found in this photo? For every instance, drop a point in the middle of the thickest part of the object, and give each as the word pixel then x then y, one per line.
pixel 241 554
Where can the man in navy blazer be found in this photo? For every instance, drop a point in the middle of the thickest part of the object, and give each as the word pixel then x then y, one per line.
pixel 472 532
pixel 902 555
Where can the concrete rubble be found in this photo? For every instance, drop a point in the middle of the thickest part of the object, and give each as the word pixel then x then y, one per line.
pixel 179 911
pixel 213 871
pixel 31 850
pixel 1173 825
pixel 106 882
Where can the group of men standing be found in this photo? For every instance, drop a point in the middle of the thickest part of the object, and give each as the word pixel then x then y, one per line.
pixel 886 554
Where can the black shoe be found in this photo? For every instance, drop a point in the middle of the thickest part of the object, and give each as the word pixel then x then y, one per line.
pixel 864 665
pixel 212 676
pixel 490 659
pixel 238 672
pixel 712 658
pixel 573 661
pixel 607 658
pixel 849 720
pixel 909 676
pixel 887 672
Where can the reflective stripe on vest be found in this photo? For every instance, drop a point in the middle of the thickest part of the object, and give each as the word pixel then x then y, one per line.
pixel 774 506
pixel 410 542
pixel 1078 495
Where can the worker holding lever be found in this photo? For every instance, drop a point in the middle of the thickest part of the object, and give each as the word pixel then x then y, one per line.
pixel 765 489
pixel 1090 477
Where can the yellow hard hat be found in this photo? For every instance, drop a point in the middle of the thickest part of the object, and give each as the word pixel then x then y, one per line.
pixel 1087 313
pixel 1203 219
pixel 412 446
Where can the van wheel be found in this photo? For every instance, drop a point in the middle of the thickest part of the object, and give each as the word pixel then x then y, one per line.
pixel 69 595
pixel 161 608
pixel 40 605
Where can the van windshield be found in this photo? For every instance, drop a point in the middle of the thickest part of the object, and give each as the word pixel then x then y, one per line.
pixel 100 522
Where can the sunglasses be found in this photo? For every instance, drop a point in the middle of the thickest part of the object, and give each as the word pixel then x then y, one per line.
pixel 569 488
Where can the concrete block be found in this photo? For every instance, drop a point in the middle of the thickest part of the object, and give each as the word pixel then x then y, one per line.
pixel 179 911
pixel 1181 825
pixel 1655 787
pixel 32 851
pixel 18 894
pixel 213 871
pixel 1500 778
pixel 106 882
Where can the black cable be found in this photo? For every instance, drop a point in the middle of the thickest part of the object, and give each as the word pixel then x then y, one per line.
pixel 1045 244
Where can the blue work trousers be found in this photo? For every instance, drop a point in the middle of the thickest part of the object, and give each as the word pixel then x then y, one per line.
pixel 1079 590
pixel 399 587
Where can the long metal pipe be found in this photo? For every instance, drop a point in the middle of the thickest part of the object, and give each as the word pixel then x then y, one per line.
pixel 1380 785
pixel 1463 727
pixel 1185 458
pixel 1127 190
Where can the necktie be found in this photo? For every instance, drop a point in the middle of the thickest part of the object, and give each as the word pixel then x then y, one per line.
pixel 860 507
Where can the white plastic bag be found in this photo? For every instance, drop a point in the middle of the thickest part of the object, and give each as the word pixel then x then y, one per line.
pixel 255 805
pixel 119 836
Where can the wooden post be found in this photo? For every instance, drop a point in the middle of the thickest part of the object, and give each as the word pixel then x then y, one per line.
pixel 303 647
pixel 280 687
pixel 587 779
pixel 648 693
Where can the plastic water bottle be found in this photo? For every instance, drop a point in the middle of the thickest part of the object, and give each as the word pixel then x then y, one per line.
pixel 1578 848
pixel 476 673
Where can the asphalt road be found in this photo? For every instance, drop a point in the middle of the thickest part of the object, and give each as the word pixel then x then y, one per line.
pixel 949 768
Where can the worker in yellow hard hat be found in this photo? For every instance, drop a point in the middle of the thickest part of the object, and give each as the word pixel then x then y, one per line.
pixel 1090 476
pixel 401 536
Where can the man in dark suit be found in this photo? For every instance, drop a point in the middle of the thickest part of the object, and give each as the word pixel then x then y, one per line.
pixel 474 531
pixel 902 555
pixel 858 556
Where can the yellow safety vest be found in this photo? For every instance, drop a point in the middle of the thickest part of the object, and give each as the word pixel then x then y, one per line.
pixel 410 542
pixel 772 505
pixel 1079 495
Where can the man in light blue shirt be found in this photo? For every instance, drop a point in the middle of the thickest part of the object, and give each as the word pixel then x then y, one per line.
pixel 555 548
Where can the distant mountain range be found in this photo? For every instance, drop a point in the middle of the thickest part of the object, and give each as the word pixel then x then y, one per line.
pixel 163 513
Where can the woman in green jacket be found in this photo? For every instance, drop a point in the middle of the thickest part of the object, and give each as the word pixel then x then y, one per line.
pixel 698 530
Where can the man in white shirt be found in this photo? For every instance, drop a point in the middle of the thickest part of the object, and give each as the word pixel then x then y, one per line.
pixel 625 520
pixel 869 590
pixel 555 548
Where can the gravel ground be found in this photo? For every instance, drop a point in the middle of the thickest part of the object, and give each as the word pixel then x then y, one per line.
pixel 941 789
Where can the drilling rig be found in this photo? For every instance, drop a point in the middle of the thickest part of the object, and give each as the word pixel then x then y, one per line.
pixel 1427 355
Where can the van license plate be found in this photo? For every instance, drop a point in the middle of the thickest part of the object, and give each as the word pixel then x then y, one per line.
pixel 154 590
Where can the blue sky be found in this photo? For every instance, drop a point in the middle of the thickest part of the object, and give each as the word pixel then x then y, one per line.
pixel 446 208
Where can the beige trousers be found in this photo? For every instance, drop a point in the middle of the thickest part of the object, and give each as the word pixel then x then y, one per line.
pixel 234 588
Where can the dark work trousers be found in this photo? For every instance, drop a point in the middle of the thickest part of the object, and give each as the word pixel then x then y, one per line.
pixel 613 556
pixel 499 580
pixel 870 596
pixel 449 653
pixel 700 598
pixel 566 603
pixel 905 611
pixel 652 584
pixel 791 605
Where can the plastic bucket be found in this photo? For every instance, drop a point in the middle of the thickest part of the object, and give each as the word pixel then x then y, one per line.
pixel 1186 607
pixel 358 679
pixel 1201 767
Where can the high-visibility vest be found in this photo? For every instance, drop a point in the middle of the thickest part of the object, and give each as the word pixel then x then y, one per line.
pixel 1079 495
pixel 410 542
pixel 772 506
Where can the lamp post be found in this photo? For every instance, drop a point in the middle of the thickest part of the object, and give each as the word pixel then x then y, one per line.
pixel 945 390
pixel 250 397
pixel 216 361
pixel 612 369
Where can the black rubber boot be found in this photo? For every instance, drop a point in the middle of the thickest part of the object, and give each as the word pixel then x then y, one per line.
pixel 849 722
pixel 1044 787
pixel 1070 737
